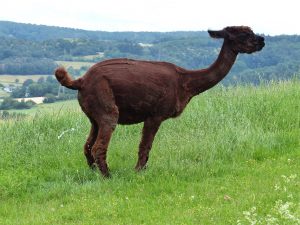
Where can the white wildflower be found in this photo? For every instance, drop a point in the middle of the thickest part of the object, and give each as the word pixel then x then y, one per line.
pixel 283 208
pixel 271 220
pixel 64 132
pixel 251 215
pixel 285 178
pixel 290 196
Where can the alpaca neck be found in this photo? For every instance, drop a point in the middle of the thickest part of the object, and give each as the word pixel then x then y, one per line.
pixel 198 81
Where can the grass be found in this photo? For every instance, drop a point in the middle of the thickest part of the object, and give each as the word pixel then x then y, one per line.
pixel 231 158
pixel 49 108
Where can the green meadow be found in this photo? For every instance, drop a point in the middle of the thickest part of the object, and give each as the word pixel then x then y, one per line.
pixel 232 157
pixel 48 108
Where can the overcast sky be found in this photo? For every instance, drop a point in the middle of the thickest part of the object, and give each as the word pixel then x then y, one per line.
pixel 268 17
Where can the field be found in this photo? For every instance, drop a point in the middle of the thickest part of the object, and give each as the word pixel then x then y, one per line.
pixel 232 157
pixel 49 108
pixel 11 79
pixel 76 65
pixel 3 93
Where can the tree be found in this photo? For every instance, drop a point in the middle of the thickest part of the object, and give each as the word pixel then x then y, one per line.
pixel 8 103
pixel 28 82
pixel 49 98
pixel 41 80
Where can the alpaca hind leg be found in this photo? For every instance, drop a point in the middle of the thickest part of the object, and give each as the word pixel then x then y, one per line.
pixel 150 129
pixel 90 143
pixel 107 118
pixel 99 149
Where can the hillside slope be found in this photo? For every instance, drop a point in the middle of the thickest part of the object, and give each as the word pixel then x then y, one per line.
pixel 231 158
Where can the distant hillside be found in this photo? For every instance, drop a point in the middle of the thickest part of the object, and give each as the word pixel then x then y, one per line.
pixel 35 49
pixel 34 32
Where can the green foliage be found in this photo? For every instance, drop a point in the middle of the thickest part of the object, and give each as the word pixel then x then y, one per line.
pixel 10 103
pixel 43 33
pixel 5 115
pixel 231 158
pixel 27 82
pixel 27 65
pixel 40 88
pixel 49 98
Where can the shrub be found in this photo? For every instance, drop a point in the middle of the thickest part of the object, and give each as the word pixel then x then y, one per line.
pixel 49 98
pixel 10 103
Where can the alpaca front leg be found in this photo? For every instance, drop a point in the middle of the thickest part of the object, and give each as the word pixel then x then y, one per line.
pixel 150 129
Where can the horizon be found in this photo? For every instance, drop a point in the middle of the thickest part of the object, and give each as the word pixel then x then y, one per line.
pixel 276 18
pixel 130 31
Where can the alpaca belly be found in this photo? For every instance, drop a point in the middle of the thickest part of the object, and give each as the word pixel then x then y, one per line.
pixel 130 118
pixel 130 113
pixel 134 113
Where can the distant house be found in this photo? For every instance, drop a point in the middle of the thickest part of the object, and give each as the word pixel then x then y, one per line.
pixel 145 45
pixel 8 89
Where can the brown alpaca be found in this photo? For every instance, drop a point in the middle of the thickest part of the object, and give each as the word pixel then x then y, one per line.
pixel 124 91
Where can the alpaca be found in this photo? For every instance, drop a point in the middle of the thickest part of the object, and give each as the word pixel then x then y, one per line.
pixel 125 91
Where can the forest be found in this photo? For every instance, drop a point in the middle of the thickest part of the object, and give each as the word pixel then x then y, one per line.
pixel 35 49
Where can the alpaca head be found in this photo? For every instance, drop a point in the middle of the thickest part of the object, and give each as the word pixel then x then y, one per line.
pixel 241 39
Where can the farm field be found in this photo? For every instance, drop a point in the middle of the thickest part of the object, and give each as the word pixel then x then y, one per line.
pixel 3 94
pixel 11 79
pixel 75 65
pixel 232 157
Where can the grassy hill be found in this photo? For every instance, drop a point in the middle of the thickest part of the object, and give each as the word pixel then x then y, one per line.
pixel 231 158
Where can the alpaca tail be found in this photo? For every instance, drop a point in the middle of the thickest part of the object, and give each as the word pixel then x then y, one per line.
pixel 65 79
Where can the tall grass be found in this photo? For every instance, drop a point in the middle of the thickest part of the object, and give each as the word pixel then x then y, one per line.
pixel 231 158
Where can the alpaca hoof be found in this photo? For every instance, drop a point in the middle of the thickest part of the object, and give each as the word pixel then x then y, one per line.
pixel 106 175
pixel 92 166
pixel 105 172
pixel 140 168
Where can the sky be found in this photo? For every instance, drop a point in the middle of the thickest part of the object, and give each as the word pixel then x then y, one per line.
pixel 265 17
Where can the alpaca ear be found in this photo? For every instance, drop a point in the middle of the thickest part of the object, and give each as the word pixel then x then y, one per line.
pixel 217 33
